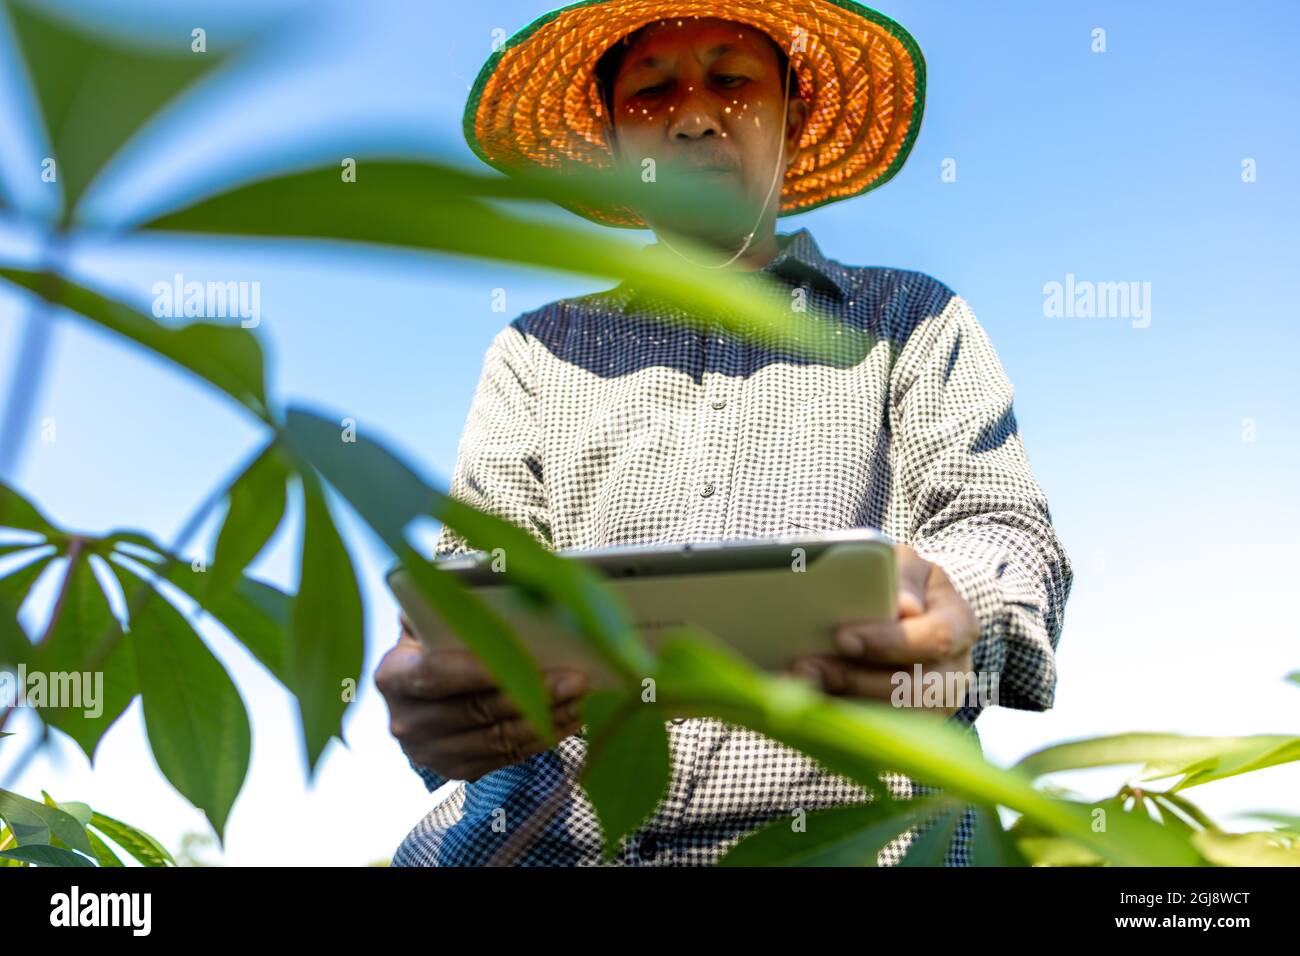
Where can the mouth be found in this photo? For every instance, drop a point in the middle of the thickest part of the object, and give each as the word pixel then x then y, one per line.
pixel 706 170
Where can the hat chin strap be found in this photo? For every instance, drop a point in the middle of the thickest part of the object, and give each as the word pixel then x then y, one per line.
pixel 776 178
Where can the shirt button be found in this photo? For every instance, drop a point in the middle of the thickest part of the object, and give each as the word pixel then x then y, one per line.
pixel 648 849
pixel 719 404
pixel 707 490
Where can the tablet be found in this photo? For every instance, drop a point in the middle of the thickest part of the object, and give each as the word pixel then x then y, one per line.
pixel 771 599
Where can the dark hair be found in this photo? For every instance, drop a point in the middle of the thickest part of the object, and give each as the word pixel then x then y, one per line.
pixel 611 61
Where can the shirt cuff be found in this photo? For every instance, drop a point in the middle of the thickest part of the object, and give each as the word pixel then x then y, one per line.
pixel 978 585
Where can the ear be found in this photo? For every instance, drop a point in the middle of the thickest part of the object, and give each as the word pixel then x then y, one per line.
pixel 796 118
pixel 611 135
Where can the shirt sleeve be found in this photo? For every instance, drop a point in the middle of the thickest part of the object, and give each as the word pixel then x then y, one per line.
pixel 973 505
pixel 499 460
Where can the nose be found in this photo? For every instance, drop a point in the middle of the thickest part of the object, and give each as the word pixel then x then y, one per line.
pixel 695 117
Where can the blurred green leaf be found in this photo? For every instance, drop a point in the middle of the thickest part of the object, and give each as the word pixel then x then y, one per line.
pixel 41 855
pixel 72 656
pixel 839 836
pixel 491 641
pixel 1284 821
pixel 856 739
pixel 1056 851
pixel 197 725
pixel 327 626
pixel 929 847
pixel 627 767
pixel 144 848
pixel 94 91
pixel 991 845
pixel 1179 806
pixel 1245 849
pixel 33 823
pixel 1196 759
pixel 388 495
pixel 257 502
pixel 431 206
pixel 227 357
pixel 1294 677
pixel 18 512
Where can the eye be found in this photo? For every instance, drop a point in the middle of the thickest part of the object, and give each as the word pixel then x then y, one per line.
pixel 653 90
pixel 730 80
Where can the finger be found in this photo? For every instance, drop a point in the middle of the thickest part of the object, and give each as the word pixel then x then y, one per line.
pixel 504 743
pixel 840 677
pixel 413 670
pixel 909 605
pixel 452 715
pixel 913 575
pixel 937 634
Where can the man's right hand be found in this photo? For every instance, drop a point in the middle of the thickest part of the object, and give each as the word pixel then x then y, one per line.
pixel 447 712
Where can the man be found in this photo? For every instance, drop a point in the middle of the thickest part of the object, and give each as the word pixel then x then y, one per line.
pixel 593 424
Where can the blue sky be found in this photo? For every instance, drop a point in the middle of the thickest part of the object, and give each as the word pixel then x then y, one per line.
pixel 1122 166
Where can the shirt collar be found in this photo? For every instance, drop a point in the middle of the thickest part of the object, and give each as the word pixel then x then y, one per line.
pixel 799 259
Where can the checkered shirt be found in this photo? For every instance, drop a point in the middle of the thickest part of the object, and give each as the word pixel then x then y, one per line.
pixel 596 423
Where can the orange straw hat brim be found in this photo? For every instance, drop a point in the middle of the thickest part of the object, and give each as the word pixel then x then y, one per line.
pixel 536 102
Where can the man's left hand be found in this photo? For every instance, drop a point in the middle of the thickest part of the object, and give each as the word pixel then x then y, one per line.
pixel 935 628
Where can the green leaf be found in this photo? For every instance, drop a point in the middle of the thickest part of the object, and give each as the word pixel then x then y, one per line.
pixel 257 502
pixel 79 811
pixel 258 615
pixel 328 627
pixel 18 512
pixel 930 846
pixel 1179 813
pixel 73 657
pixel 1196 759
pixel 388 495
pixel 46 856
pixel 94 91
pixel 486 635
pixel 198 728
pixel 255 613
pixel 1294 677
pixel 1288 823
pixel 104 854
pixel 991 845
pixel 628 766
pixel 1056 851
pixel 1245 849
pixel 33 823
pixel 856 739
pixel 142 847
pixel 839 836
pixel 227 357
pixel 15 645
pixel 431 206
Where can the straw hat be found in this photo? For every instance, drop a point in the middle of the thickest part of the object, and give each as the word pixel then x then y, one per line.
pixel 536 101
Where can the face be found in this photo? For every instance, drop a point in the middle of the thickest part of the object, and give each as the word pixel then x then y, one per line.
pixel 703 98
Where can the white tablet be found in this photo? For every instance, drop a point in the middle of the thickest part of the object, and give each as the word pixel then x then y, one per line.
pixel 772 599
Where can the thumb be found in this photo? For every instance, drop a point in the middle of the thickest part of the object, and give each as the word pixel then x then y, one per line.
pixel 909 605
